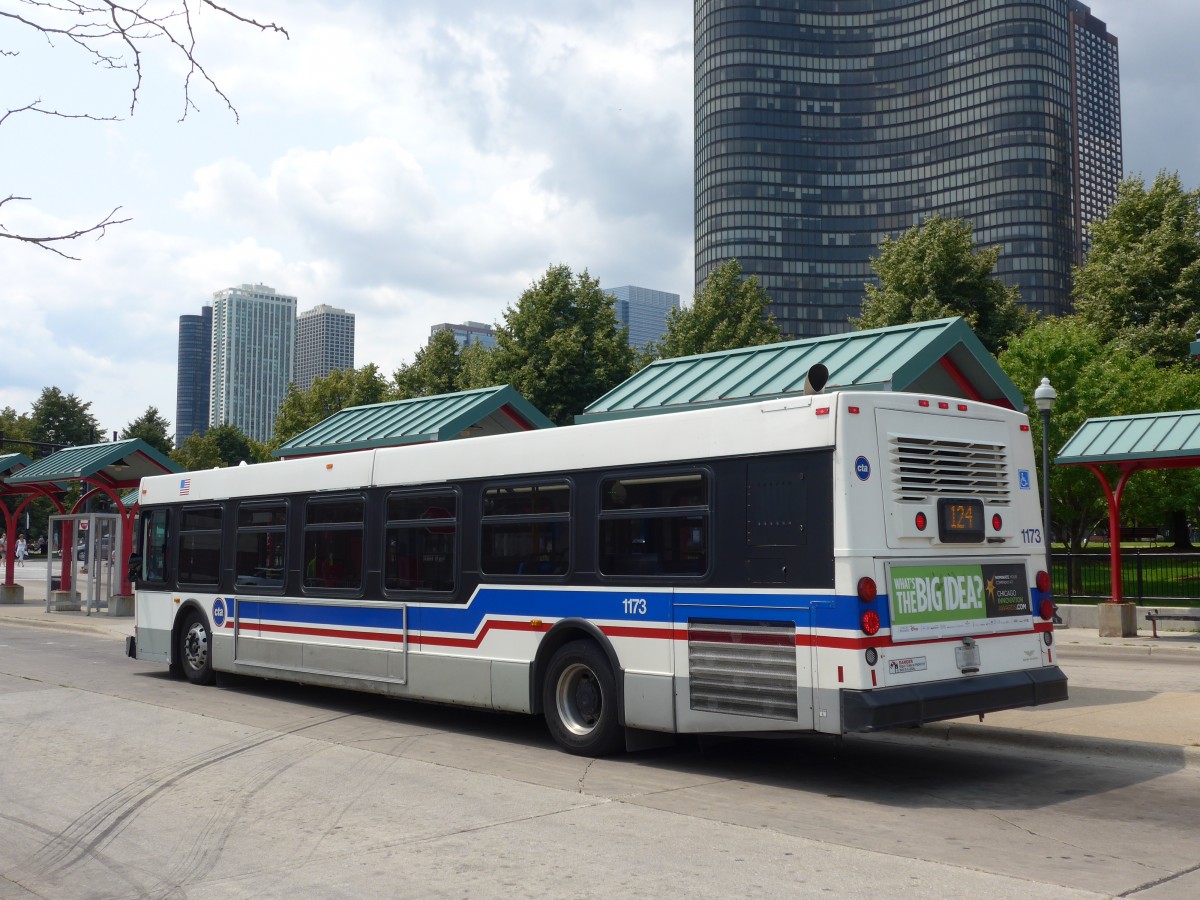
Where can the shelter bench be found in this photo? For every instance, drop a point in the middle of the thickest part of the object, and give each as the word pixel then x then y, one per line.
pixel 1154 617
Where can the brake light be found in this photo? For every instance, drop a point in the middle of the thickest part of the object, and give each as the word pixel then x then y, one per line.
pixel 997 522
pixel 1043 582
pixel 921 521
pixel 870 622
pixel 867 591
pixel 1046 610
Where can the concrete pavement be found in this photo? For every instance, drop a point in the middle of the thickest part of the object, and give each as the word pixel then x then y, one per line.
pixel 1160 727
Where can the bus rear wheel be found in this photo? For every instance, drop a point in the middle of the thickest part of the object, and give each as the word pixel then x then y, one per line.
pixel 195 650
pixel 579 700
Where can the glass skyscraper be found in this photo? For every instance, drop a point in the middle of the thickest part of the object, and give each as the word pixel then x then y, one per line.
pixel 822 126
pixel 193 370
pixel 643 311
pixel 324 343
pixel 253 346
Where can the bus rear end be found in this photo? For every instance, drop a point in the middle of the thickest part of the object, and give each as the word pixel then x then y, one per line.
pixel 938 537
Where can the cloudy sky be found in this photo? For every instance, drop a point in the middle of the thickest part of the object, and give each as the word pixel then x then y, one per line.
pixel 412 162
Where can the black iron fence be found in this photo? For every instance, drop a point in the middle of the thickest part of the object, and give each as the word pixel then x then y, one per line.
pixel 1145 575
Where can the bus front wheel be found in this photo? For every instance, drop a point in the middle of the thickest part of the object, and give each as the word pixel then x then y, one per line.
pixel 195 650
pixel 579 700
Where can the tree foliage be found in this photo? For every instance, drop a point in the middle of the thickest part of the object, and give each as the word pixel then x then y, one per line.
pixel 220 446
pixel 560 346
pixel 1140 285
pixel 1096 380
pixel 113 37
pixel 340 389
pixel 152 428
pixel 59 418
pixel 436 369
pixel 729 312
pixel 934 270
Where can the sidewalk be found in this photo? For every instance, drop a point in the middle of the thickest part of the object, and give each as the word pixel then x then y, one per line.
pixel 1166 725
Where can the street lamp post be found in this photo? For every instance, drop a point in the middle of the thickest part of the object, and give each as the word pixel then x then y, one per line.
pixel 1044 397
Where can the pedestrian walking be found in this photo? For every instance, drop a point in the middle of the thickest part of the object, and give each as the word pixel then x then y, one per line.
pixel 22 549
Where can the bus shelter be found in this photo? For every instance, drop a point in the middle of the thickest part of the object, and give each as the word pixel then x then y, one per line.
pixel 91 558
pixel 16 500
pixel 1114 449
pixel 106 470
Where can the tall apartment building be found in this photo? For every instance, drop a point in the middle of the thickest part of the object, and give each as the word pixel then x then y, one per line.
pixel 1096 115
pixel 643 311
pixel 324 343
pixel 194 367
pixel 467 333
pixel 253 347
pixel 822 127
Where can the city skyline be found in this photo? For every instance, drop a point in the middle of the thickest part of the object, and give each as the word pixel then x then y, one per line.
pixel 428 169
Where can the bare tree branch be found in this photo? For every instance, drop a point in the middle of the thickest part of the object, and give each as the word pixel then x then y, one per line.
pixel 112 35
pixel 47 242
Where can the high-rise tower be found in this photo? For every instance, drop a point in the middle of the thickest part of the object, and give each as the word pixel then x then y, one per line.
pixel 253 342
pixel 822 127
pixel 193 370
pixel 324 343
pixel 643 311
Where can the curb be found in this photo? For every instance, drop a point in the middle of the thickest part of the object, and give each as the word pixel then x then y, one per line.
pixel 1166 755
pixel 83 625
pixel 1097 651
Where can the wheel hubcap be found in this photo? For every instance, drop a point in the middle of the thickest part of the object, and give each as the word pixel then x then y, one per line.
pixel 579 699
pixel 195 647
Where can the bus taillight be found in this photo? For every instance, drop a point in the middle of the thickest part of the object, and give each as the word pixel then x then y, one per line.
pixel 1043 582
pixel 1046 611
pixel 867 590
pixel 870 622
pixel 997 522
pixel 922 520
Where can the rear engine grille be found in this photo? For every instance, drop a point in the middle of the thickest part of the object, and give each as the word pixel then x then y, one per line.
pixel 926 467
pixel 746 669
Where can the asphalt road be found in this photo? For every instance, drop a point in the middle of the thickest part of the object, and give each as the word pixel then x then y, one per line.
pixel 117 781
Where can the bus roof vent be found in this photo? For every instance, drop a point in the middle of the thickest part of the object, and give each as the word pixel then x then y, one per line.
pixel 926 468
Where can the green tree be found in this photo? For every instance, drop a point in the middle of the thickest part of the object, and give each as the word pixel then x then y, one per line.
pixel 729 312
pixel 934 270
pixel 151 428
pixel 342 388
pixel 220 446
pixel 64 419
pixel 1140 285
pixel 1096 380
pixel 560 346
pixel 436 369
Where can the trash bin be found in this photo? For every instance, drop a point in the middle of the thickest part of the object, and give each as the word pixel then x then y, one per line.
pixel 55 582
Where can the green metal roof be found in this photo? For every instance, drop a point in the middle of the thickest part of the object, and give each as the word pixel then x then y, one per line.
pixel 120 464
pixel 12 462
pixel 942 356
pixel 493 410
pixel 1157 440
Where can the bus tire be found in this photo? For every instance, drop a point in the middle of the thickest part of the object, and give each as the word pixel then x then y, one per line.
pixel 195 650
pixel 579 700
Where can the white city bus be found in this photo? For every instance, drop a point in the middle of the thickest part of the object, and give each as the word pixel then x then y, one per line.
pixel 838 563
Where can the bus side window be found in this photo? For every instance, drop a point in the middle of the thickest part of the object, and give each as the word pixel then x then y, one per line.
pixel 155 544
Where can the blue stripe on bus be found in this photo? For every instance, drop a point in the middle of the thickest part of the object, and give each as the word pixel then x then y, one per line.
pixel 819 611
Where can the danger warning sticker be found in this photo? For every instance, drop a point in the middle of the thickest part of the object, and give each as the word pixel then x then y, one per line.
pixel 906 665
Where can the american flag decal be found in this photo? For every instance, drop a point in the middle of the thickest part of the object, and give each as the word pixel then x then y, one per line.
pixel 185 486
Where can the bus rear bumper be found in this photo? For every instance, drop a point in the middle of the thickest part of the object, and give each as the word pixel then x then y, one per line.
pixel 909 705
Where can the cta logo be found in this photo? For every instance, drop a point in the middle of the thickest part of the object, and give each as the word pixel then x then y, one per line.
pixel 862 468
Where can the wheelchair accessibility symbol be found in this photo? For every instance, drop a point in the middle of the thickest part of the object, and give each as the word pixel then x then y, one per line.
pixel 1023 477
